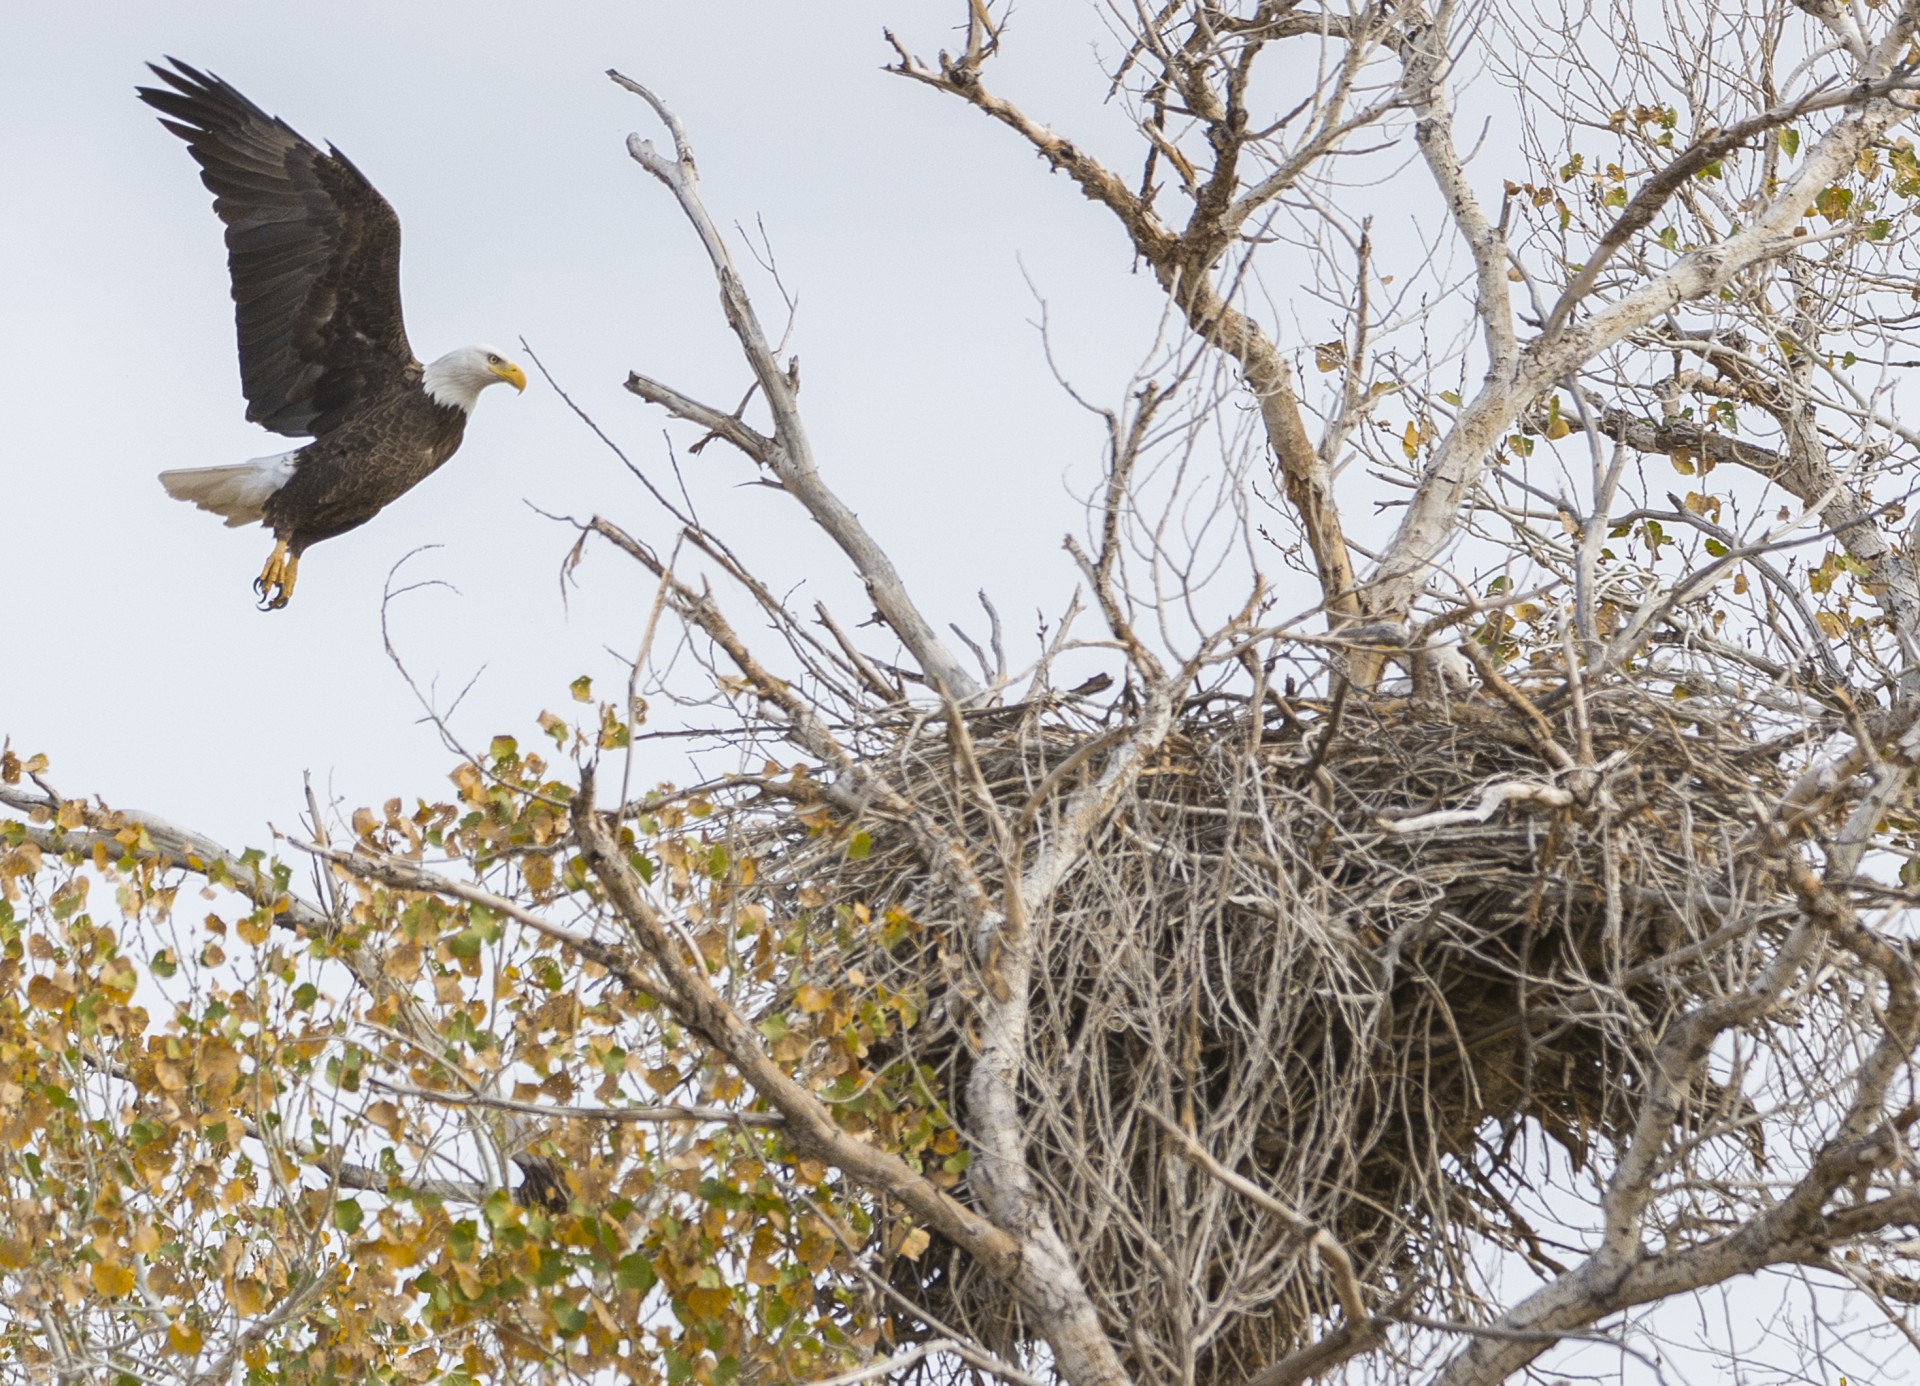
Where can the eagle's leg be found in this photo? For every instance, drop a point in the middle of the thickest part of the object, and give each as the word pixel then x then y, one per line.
pixel 275 583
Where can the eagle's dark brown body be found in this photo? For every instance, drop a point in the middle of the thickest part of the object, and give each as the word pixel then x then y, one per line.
pixel 367 462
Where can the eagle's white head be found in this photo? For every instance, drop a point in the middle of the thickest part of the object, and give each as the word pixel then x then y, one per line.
pixel 457 378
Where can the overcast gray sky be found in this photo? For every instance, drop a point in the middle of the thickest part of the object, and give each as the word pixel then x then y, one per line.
pixel 133 655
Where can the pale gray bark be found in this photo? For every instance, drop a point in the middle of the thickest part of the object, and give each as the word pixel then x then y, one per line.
pixel 787 452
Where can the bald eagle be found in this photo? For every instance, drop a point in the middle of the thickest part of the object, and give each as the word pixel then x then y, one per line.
pixel 314 252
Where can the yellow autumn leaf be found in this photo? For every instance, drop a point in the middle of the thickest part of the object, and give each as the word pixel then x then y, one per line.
pixel 23 860
pixel 914 1243
pixel 183 1338
pixel 402 1255
pixel 1410 441
pixel 386 1116
pixel 248 1297
pixel 112 1279
pixel 218 1068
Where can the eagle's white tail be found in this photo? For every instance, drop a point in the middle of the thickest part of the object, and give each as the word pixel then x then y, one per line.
pixel 239 494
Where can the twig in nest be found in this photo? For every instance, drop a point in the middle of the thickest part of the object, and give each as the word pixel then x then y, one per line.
pixel 1492 799
pixel 1519 702
pixel 1333 1256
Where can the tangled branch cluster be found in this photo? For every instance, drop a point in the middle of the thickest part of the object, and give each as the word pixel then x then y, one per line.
pixel 1271 957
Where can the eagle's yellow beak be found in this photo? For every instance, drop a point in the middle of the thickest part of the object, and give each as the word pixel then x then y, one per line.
pixel 510 373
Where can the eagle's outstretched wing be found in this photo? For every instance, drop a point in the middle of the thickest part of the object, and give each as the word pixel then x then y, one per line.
pixel 314 252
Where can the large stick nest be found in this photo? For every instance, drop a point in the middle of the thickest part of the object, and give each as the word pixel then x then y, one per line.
pixel 1372 1025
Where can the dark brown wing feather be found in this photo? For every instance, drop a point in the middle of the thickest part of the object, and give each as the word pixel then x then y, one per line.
pixel 314 252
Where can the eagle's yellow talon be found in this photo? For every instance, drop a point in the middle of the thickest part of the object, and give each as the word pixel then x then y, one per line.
pixel 275 583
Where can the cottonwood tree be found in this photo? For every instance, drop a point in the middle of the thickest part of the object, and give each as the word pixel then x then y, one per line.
pixel 1460 901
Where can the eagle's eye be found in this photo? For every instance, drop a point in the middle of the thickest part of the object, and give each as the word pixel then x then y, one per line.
pixel 492 360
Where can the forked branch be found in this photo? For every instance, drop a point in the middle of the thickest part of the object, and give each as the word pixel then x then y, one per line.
pixel 788 453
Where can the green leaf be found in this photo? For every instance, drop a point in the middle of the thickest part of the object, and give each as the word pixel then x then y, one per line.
pixel 462 1239
pixel 487 922
pixel 581 688
pixel 347 1216
pixel 1789 142
pixel 634 1272
pixel 1832 202
pixel 860 847
pixel 501 1212
pixel 343 1070
pixel 569 1317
